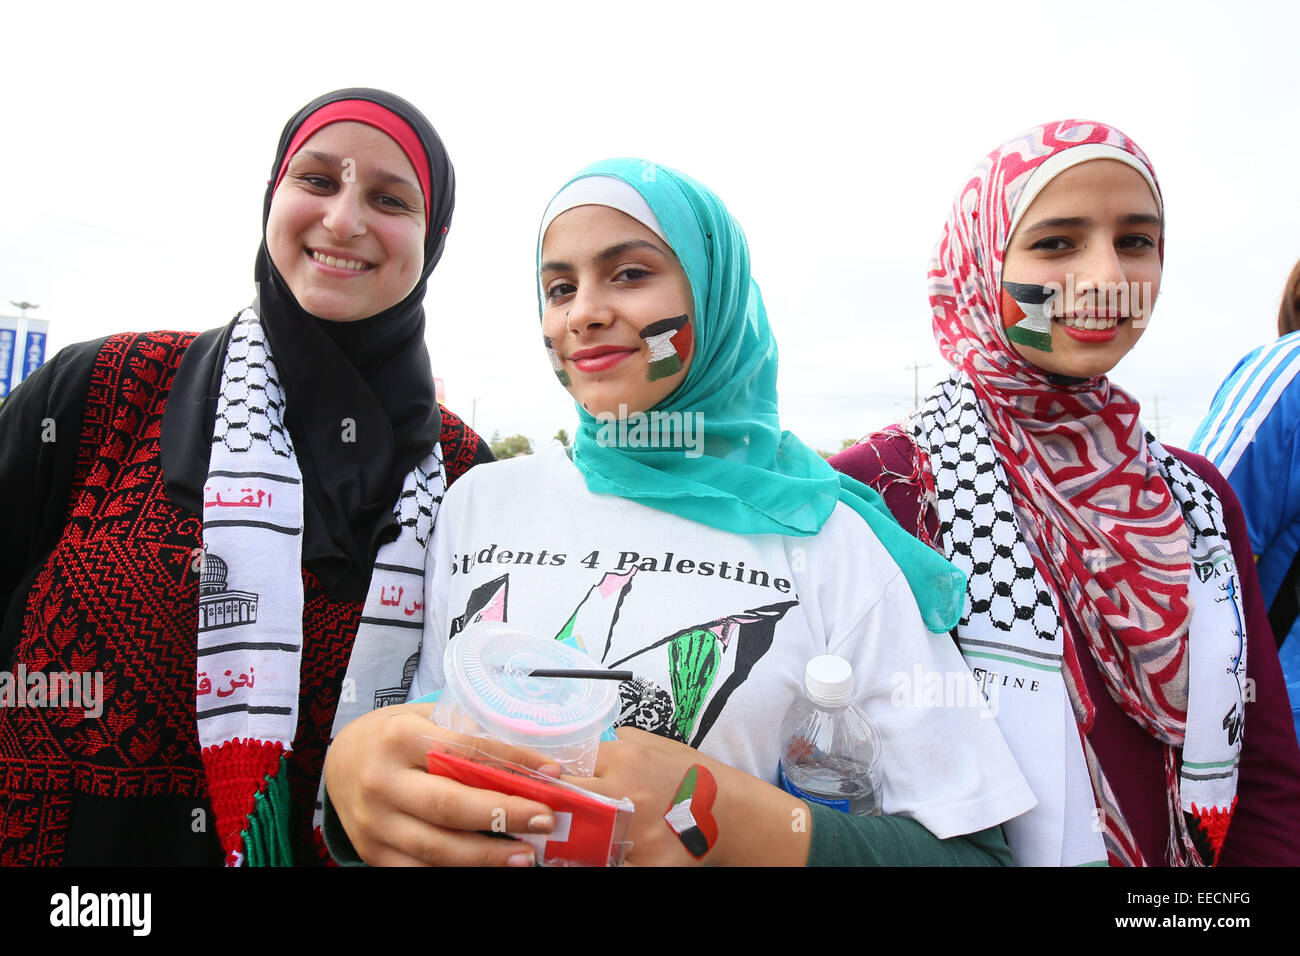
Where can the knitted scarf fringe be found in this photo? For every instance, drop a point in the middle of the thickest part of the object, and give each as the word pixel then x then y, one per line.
pixel 1214 824
pixel 238 772
pixel 266 839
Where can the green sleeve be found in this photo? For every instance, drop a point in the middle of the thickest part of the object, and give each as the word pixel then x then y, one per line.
pixel 839 839
pixel 336 838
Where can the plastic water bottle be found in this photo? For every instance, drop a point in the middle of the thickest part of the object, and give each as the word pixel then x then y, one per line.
pixel 830 748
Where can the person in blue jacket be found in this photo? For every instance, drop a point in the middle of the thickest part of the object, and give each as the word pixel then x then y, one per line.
pixel 1251 435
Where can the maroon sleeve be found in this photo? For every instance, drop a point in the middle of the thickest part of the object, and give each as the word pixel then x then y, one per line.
pixel 890 462
pixel 1265 828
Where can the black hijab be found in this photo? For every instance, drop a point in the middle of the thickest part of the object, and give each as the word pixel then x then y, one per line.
pixel 359 396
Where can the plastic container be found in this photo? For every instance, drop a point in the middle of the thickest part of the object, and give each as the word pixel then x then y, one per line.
pixel 590 829
pixel 489 693
pixel 830 748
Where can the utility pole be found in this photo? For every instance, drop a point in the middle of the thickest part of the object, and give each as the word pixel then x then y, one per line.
pixel 473 414
pixel 1155 416
pixel 916 383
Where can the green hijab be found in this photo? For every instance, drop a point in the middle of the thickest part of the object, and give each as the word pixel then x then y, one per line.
pixel 753 478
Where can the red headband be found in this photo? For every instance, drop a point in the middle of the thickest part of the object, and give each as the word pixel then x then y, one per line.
pixel 372 114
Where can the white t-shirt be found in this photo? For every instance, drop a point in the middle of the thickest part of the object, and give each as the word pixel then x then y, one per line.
pixel 718 628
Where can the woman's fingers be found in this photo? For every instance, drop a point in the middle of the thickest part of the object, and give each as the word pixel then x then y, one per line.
pixel 412 842
pixel 444 802
pixel 404 785
pixel 396 812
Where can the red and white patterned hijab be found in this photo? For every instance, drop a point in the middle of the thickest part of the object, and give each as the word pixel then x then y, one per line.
pixel 1096 512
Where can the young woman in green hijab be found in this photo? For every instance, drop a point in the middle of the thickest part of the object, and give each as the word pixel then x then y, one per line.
pixel 686 537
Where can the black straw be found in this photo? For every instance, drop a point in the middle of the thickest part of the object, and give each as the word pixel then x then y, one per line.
pixel 596 674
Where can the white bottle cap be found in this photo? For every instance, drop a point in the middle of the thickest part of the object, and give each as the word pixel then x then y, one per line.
pixel 829 680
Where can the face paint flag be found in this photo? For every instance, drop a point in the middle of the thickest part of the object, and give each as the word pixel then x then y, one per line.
pixel 556 364
pixel 665 355
pixel 691 813
pixel 1027 314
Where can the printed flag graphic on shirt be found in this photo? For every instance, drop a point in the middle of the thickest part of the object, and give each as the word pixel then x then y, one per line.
pixel 695 660
pixel 699 682
pixel 487 602
pixel 595 616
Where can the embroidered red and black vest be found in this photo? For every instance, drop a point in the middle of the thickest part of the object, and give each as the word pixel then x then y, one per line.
pixel 115 605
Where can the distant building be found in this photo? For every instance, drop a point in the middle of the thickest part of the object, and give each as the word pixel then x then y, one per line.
pixel 22 350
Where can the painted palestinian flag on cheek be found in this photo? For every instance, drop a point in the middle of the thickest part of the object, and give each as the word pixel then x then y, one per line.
pixel 669 341
pixel 1027 314
pixel 556 364
pixel 691 813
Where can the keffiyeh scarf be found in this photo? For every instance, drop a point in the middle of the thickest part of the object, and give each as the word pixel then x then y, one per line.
pixel 1012 636
pixel 251 603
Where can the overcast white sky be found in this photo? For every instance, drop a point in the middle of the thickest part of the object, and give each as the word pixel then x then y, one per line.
pixel 135 141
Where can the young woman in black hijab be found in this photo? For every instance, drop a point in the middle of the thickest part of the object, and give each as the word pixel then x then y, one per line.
pixel 211 535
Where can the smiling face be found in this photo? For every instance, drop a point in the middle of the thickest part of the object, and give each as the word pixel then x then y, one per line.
pixel 1093 233
pixel 614 297
pixel 346 227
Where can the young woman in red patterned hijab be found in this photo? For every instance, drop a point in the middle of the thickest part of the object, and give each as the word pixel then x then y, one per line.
pixel 1112 604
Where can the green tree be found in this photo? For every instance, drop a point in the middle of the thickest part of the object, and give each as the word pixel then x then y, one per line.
pixel 509 447
pixel 844 443
pixel 562 437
